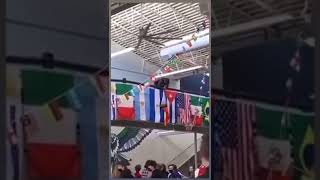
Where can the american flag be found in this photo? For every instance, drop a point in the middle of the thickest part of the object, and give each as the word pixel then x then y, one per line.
pixel 184 105
pixel 236 137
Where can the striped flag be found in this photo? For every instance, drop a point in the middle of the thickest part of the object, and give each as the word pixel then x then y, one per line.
pixel 183 104
pixel 236 137
pixel 113 101
pixel 140 104
pixel 171 106
pixel 152 104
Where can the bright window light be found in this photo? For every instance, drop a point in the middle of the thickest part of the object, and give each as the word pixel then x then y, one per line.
pixel 122 52
pixel 178 72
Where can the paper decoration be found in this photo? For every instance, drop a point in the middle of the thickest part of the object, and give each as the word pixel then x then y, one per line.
pixel 194 37
pixel 73 99
pixel 295 61
pixel 189 43
pixel 153 78
pixel 56 111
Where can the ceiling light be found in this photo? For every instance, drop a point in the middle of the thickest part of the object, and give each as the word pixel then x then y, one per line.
pixel 255 24
pixel 121 52
pixel 178 72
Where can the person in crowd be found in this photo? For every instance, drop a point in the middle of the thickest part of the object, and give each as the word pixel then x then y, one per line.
pixel 191 172
pixel 155 173
pixel 145 173
pixel 126 173
pixel 203 170
pixel 174 172
pixel 137 174
pixel 163 169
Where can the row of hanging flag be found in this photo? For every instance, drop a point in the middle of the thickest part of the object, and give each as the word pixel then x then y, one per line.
pixel 97 85
pixel 139 103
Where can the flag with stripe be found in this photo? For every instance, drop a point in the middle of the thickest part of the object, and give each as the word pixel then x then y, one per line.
pixel 236 137
pixel 196 110
pixel 171 106
pixel 125 105
pixel 152 104
pixel 140 103
pixel 113 101
pixel 183 104
pixel 164 113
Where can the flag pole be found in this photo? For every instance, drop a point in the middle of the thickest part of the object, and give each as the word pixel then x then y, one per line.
pixel 195 151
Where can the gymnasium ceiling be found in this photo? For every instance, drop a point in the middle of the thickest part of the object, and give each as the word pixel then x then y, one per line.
pixel 126 20
pixel 225 14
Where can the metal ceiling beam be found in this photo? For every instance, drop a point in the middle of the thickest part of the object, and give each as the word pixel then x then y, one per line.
pixel 156 1
pixel 263 5
pixel 122 8
pixel 182 15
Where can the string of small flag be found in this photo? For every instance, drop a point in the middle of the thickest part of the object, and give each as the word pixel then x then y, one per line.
pixel 53 106
pixel 166 67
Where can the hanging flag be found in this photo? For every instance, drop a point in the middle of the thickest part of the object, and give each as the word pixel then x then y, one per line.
pixel 183 109
pixel 113 101
pixel 30 124
pixel 196 110
pixel 125 106
pixel 236 134
pixel 152 105
pixel 270 126
pixel 171 105
pixel 206 111
pixel 163 105
pixel 189 43
pixel 194 37
pixel 273 154
pixel 73 99
pixel 306 152
pixel 295 62
pixel 140 104
pixel 56 110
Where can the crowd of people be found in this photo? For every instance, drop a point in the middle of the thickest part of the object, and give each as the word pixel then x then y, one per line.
pixel 152 169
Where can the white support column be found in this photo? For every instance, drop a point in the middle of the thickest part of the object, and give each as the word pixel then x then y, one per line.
pixel 195 151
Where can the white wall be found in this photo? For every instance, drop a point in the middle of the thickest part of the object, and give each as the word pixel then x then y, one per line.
pixel 130 66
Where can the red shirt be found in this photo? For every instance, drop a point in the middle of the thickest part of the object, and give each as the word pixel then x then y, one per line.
pixel 137 175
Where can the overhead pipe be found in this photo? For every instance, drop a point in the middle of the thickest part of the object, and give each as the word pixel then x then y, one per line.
pixel 181 46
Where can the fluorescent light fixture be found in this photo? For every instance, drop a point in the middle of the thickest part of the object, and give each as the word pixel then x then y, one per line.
pixel 165 132
pixel 187 38
pixel 178 72
pixel 259 23
pixel 121 52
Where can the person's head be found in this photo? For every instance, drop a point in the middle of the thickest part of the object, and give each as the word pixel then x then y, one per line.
pixel 126 173
pixel 172 167
pixel 204 148
pixel 152 165
pixel 137 168
pixel 147 164
pixel 162 167
pixel 191 169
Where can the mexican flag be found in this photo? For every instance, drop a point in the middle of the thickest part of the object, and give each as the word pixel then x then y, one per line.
pixel 125 102
pixel 197 110
pixel 298 133
pixel 206 111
